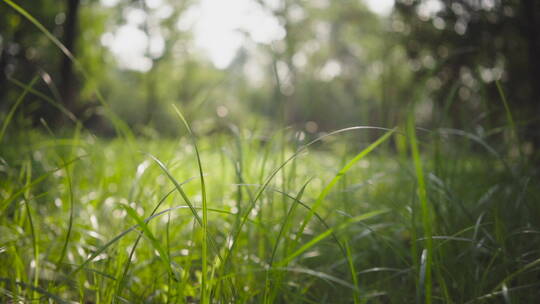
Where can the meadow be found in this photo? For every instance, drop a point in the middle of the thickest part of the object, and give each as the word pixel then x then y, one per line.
pixel 280 216
pixel 109 195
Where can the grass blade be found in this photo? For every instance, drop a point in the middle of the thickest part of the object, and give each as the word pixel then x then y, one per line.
pixel 132 252
pixel 327 233
pixel 117 238
pixel 354 275
pixel 269 296
pixel 120 126
pixel 426 216
pixel 275 172
pixel 15 106
pixel 164 257
pixel 36 181
pixel 204 297
pixel 37 289
pixel 339 175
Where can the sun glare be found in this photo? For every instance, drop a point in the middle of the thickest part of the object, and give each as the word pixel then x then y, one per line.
pixel 219 29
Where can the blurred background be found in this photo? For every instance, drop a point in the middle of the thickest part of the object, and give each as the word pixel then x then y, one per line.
pixel 315 65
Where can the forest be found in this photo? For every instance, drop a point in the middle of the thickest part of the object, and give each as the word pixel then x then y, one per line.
pixel 270 151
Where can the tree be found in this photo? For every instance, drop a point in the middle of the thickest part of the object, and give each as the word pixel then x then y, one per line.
pixel 24 52
pixel 338 65
pixel 466 46
pixel 68 89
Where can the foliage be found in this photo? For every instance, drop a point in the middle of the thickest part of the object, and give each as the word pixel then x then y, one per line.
pixel 465 47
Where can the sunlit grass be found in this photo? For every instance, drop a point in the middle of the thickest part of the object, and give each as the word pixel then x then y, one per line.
pixel 88 219
pixel 258 216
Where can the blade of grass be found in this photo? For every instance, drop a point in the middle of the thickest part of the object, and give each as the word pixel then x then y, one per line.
pixel 70 220
pixel 320 275
pixel 269 295
pixel 178 187
pixel 33 232
pixel 509 117
pixel 516 273
pixel 340 175
pixel 327 233
pixel 163 256
pixel 34 182
pixel 449 101
pixel 421 292
pixel 286 224
pixel 122 279
pixel 317 216
pixel 187 268
pixel 426 217
pixel 117 238
pixel 204 291
pixel 274 173
pixel 491 295
pixel 46 98
pixel 15 106
pixel 354 275
pixel 41 28
pixel 323 222
pixel 70 193
pixel 506 107
pixel 37 289
pixel 120 126
pixel 189 203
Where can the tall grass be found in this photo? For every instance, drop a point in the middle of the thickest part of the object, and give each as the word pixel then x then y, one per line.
pixel 84 219
pixel 432 216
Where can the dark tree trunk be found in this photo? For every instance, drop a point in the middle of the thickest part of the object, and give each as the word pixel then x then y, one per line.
pixel 532 10
pixel 68 89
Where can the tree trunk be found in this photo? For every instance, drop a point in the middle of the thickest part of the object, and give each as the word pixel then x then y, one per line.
pixel 531 10
pixel 68 90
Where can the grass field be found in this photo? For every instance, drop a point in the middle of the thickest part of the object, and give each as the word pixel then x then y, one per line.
pixel 269 214
pixel 267 217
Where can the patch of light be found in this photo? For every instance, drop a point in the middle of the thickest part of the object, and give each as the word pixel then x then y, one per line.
pixel 429 8
pixel 330 70
pixel 219 27
pixel 488 4
pixel 380 7
pixel 153 4
pixel 135 16
pixel 129 44
pixel 109 3
pixel 164 11
pixel 157 46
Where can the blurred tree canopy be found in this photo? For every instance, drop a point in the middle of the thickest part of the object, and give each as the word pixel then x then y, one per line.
pixel 461 48
pixel 338 64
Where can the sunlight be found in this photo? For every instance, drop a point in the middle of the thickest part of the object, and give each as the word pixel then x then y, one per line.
pixel 381 7
pixel 219 28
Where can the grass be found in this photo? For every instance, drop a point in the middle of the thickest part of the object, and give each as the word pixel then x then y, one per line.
pixel 337 220
pixel 441 216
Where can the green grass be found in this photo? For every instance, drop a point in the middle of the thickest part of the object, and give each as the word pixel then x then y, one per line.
pixel 228 220
pixel 442 216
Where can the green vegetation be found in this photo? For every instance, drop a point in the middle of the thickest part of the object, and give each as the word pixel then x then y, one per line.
pixel 257 220
pixel 367 165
